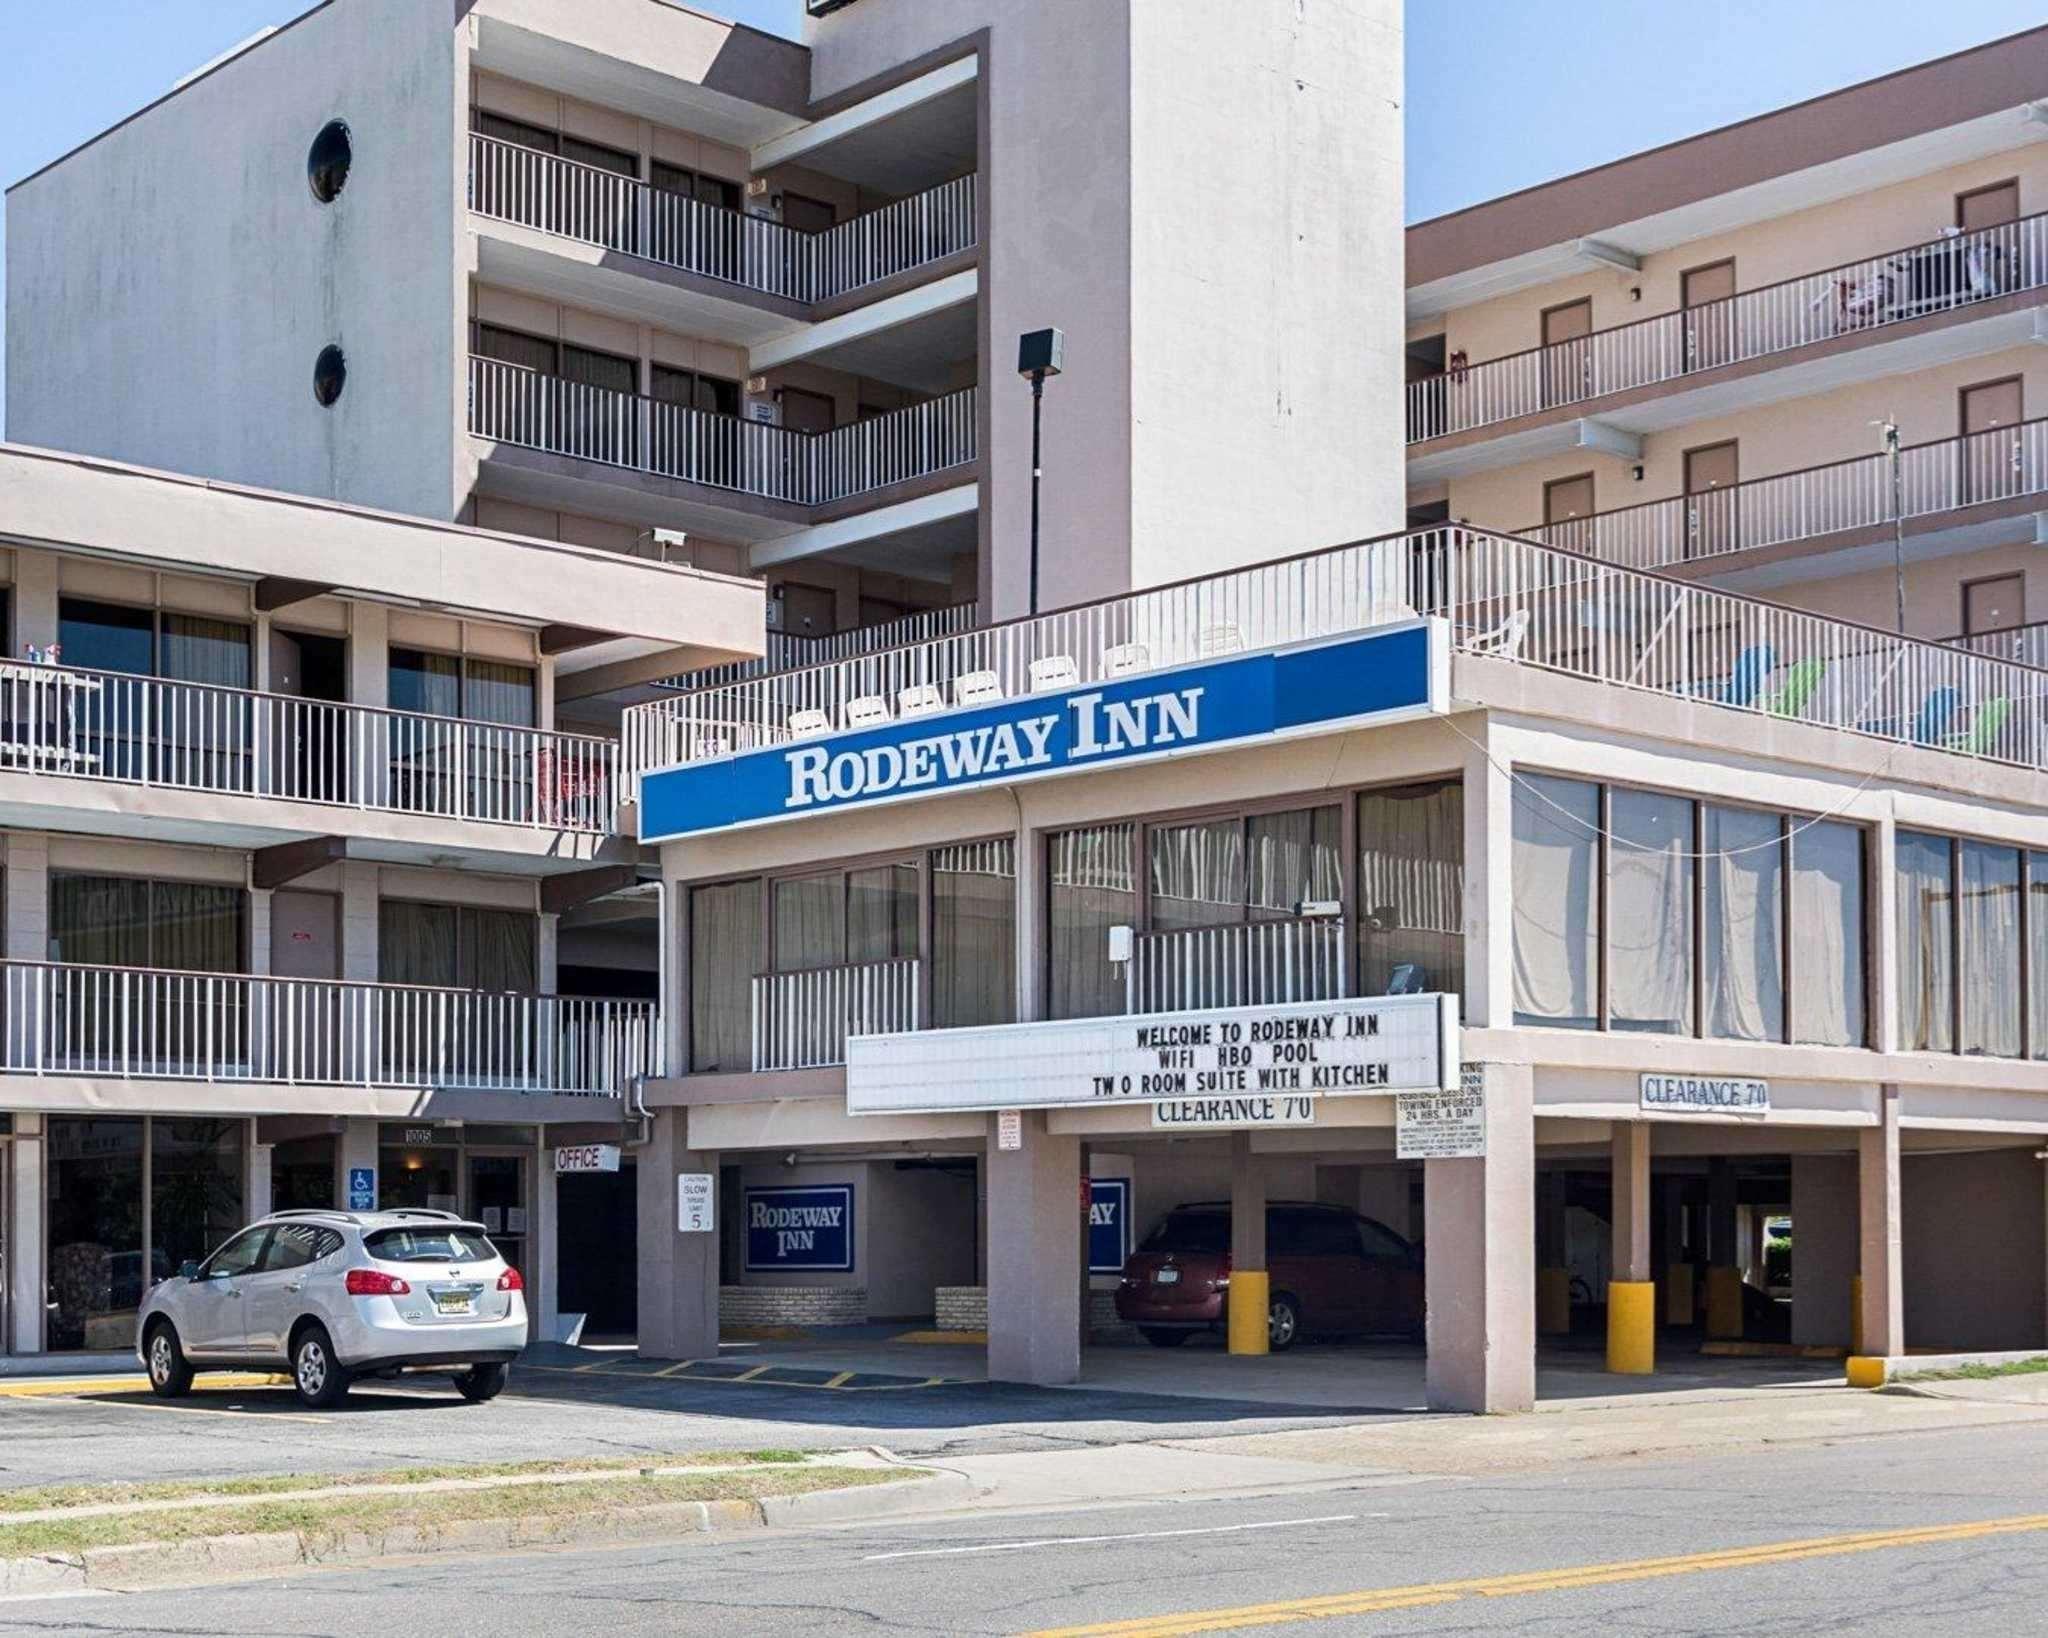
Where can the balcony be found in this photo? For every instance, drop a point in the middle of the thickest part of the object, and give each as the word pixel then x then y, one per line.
pixel 1237 964
pixel 1945 476
pixel 524 408
pixel 802 1019
pixel 1938 276
pixel 132 1023
pixel 69 723
pixel 2022 645
pixel 789 650
pixel 511 183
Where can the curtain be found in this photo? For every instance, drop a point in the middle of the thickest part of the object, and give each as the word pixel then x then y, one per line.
pixel 198 927
pixel 497 950
pixel 881 913
pixel 417 943
pixel 99 920
pixel 1744 923
pixel 1827 936
pixel 1650 875
pixel 1990 935
pixel 725 954
pixel 494 691
pixel 1557 901
pixel 1411 886
pixel 200 650
pixel 1926 918
pixel 1292 858
pixel 810 927
pixel 1090 889
pixel 974 934
pixel 1198 873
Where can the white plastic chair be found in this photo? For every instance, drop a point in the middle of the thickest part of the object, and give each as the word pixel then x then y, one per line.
pixel 803 724
pixel 1125 658
pixel 1053 672
pixel 1221 639
pixel 919 700
pixel 869 711
pixel 1504 641
pixel 977 688
pixel 709 746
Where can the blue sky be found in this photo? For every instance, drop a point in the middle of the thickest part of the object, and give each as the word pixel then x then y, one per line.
pixel 1501 93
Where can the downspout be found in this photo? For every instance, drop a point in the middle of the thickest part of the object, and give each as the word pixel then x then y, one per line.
pixel 636 1113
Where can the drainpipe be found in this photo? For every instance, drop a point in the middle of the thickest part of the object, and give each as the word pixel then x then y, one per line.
pixel 636 1111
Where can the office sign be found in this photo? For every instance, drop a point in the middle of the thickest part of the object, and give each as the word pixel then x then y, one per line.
pixel 1383 676
pixel 586 1157
pixel 1183 1114
pixel 1705 1095
pixel 1443 1125
pixel 362 1188
pixel 1109 1224
pixel 807 1229
pixel 1305 1049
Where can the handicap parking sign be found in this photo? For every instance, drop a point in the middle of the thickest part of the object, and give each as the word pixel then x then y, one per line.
pixel 362 1188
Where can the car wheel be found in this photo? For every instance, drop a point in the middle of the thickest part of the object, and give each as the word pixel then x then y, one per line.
pixel 170 1373
pixel 1163 1339
pixel 316 1373
pixel 1283 1324
pixel 481 1382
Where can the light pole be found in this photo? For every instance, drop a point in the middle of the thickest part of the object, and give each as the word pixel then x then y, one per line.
pixel 1040 353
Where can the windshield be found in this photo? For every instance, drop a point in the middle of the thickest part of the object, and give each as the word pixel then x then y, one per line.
pixel 429 1245
pixel 1204 1231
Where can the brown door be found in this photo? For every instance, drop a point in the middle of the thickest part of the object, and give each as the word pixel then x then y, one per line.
pixel 1997 604
pixel 1710 500
pixel 808 611
pixel 1991 457
pixel 1568 353
pixel 1567 509
pixel 1988 207
pixel 308 1020
pixel 805 214
pixel 807 411
pixel 1708 294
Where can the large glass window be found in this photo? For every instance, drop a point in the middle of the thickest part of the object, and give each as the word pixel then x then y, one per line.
pixel 1411 889
pixel 725 953
pixel 1197 873
pixel 1091 887
pixel 974 934
pixel 845 916
pixel 1557 902
pixel 1926 942
pixel 195 1188
pixel 1827 935
pixel 121 921
pixel 1292 859
pixel 1988 932
pixel 442 685
pixel 457 947
pixel 1650 875
pixel 1743 922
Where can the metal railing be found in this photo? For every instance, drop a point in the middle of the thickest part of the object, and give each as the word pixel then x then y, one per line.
pixel 147 1024
pixel 802 1019
pixel 1932 277
pixel 511 404
pixel 539 190
pixel 1512 599
pixel 1944 475
pixel 1240 964
pixel 2023 645
pixel 788 650
pixel 70 722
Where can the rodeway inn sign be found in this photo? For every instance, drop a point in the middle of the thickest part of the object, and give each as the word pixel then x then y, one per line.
pixel 1385 675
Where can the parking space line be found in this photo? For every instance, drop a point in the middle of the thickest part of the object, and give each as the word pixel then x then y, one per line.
pixel 840 1380
pixel 207 1410
pixel 1134 1535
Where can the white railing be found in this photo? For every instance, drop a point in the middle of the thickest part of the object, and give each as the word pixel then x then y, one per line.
pixel 511 404
pixel 2023 645
pixel 153 731
pixel 788 650
pixel 621 213
pixel 145 1024
pixel 802 1019
pixel 1241 964
pixel 1933 277
pixel 1515 599
pixel 2009 463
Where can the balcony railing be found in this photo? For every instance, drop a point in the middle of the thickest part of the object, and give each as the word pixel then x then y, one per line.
pixel 514 405
pixel 74 723
pixel 1240 964
pixel 1934 277
pixel 621 213
pixel 1946 475
pixel 2023 645
pixel 134 1023
pixel 787 650
pixel 802 1019
pixel 1513 600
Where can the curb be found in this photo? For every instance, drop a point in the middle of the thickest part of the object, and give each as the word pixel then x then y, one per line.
pixel 152 1564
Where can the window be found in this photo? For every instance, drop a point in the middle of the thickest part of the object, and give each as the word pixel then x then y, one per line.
pixel 1743 922
pixel 1411 889
pixel 122 921
pixel 542 140
pixel 704 189
pixel 1197 873
pixel 239 1256
pixel 1382 1244
pixel 1557 902
pixel 328 161
pixel 443 685
pixel 1314 1234
pixel 1190 1231
pixel 1650 880
pixel 692 389
pixel 1926 943
pixel 298 1245
pixel 1091 887
pixel 457 947
pixel 725 953
pixel 330 375
pixel 154 643
pixel 851 916
pixel 429 1245
pixel 974 934
pixel 1827 935
pixel 1988 936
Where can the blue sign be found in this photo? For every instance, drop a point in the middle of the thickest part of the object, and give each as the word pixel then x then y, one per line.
pixel 1390 673
pixel 808 1229
pixel 362 1188
pixel 1109 1224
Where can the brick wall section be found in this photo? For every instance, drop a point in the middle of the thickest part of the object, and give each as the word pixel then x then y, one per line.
pixel 1103 1325
pixel 792 1305
pixel 961 1307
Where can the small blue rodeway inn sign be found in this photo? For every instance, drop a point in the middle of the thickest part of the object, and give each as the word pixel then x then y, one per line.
pixel 1384 675
pixel 807 1229
pixel 1109 1224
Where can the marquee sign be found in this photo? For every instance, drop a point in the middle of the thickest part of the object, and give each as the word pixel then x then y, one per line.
pixel 1203 1060
pixel 1383 676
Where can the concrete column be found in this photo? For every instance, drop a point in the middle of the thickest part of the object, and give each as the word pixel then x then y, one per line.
pixel 547 945
pixel 1884 1295
pixel 1631 1294
pixel 1489 893
pixel 255 1177
pixel 359 883
pixel 1031 893
pixel 1036 1246
pixel 369 654
pixel 28 895
pixel 35 607
pixel 259 931
pixel 26 1252
pixel 1553 1274
pixel 1825 1247
pixel 357 1148
pixel 1479 1225
pixel 1880 856
pixel 1250 1286
pixel 678 1272
pixel 544 1248
pixel 1724 1275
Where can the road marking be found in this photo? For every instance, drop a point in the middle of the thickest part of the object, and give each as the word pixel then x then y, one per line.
pixel 1135 1535
pixel 71 1387
pixel 1565 1579
pixel 202 1410
pixel 840 1380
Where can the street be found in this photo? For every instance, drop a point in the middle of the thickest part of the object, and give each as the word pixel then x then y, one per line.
pixel 1221 1563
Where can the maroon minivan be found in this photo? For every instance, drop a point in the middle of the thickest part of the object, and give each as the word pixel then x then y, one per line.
pixel 1330 1270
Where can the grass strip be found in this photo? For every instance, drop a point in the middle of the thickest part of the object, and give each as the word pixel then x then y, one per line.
pixel 327 1519
pixel 1978 1373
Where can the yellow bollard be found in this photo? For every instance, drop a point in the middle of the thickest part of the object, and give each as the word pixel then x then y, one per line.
pixel 1554 1301
pixel 1724 1304
pixel 1631 1327
pixel 1680 1298
pixel 1856 1313
pixel 1248 1306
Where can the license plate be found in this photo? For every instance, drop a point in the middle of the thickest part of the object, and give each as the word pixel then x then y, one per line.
pixel 1166 1276
pixel 454 1302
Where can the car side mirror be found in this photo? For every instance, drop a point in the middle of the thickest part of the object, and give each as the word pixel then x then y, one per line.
pixel 188 1270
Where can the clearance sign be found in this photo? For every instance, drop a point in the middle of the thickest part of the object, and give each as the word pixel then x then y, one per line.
pixel 1383 676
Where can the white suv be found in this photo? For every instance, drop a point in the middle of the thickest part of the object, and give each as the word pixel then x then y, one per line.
pixel 335 1295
